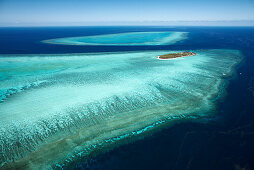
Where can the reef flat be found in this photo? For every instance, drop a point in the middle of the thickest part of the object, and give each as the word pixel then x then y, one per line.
pixel 123 39
pixel 175 55
pixel 56 109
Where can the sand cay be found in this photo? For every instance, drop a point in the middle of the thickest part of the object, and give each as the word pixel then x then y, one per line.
pixel 175 55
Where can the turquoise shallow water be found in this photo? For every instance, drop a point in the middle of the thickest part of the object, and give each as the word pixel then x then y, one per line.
pixel 83 100
pixel 124 39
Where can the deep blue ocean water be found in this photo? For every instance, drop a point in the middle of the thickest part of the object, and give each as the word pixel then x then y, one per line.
pixel 223 142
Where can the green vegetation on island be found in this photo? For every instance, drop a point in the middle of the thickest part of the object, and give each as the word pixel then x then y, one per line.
pixel 176 55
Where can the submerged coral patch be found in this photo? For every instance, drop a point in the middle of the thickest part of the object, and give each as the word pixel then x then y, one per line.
pixel 123 39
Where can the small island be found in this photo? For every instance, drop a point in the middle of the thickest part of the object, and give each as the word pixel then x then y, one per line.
pixel 175 55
